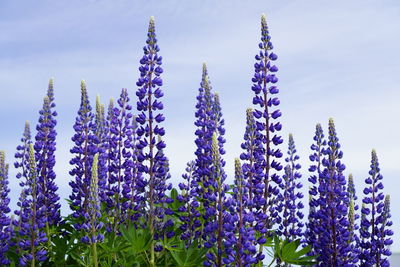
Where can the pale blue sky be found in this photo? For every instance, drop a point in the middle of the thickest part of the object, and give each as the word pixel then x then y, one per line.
pixel 337 59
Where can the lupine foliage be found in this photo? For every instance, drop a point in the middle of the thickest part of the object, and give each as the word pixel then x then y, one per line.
pixel 125 212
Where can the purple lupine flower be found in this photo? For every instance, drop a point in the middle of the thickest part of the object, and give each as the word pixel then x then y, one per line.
pixel 138 185
pixel 291 225
pixel 22 154
pixel 5 220
pixel 92 224
pixel 206 126
pixel 266 115
pixel 102 130
pixel 45 147
pixel 32 220
pixel 240 240
pixel 374 232
pixel 86 146
pixel 214 210
pixel 219 125
pixel 353 217
pixel 312 227
pixel 163 224
pixel 149 106
pixel 333 228
pixel 120 161
pixel 252 171
pixel 191 221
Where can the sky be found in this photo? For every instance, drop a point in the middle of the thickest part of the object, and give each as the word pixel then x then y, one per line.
pixel 336 59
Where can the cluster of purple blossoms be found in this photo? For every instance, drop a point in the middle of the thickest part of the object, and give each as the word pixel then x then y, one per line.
pixel 151 159
pixel 291 221
pixel 102 134
pixel 375 222
pixel 22 155
pixel 5 220
pixel 353 217
pixel 267 128
pixel 45 147
pixel 86 146
pixel 318 150
pixel 215 208
pixel 331 217
pixel 120 161
pixel 32 221
pixel 191 220
pixel 208 121
pixel 240 237
pixel 92 224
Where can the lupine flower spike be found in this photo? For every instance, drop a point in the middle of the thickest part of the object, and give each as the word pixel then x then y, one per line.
pixel 31 216
pixel 5 220
pixel 120 167
pixel 266 115
pixel 334 247
pixel 375 220
pixel 92 225
pixel 318 151
pixel 45 147
pixel 291 226
pixel 86 146
pixel 149 118
pixel 239 244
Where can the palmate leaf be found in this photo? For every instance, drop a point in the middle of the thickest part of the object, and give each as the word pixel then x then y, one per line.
pixel 139 240
pixel 289 252
pixel 192 256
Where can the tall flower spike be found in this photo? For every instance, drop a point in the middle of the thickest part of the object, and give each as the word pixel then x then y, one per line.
pixel 5 220
pixel 120 164
pixel 375 237
pixel 239 234
pixel 332 214
pixel 92 215
pixel 32 220
pixel 22 154
pixel 291 226
pixel 318 150
pixel 191 218
pixel 215 208
pixel 149 106
pixel 266 115
pixel 138 185
pixel 353 217
pixel 102 130
pixel 45 147
pixel 252 170
pixel 86 146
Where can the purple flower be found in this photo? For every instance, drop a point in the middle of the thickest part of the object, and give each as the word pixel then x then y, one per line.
pixel 6 228
pixel 86 146
pixel 318 150
pixel 331 218
pixel 22 155
pixel 45 147
pixel 266 115
pixel 291 225
pixel 120 165
pixel 214 200
pixel 191 217
pixel 240 240
pixel 32 220
pixel 92 224
pixel 150 156
pixel 375 220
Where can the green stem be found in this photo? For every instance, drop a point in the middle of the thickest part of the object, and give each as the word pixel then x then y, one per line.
pixel 94 255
